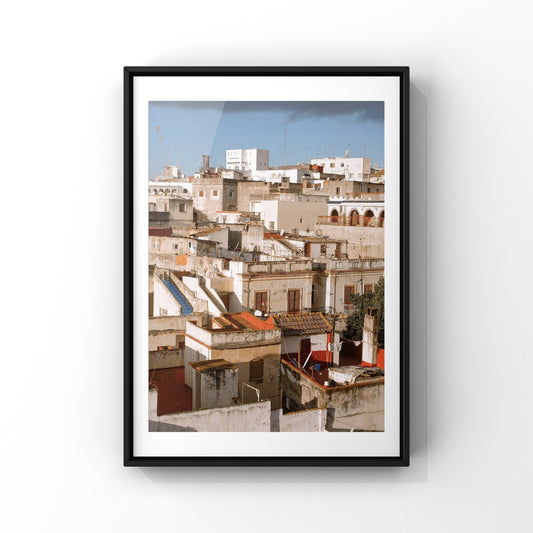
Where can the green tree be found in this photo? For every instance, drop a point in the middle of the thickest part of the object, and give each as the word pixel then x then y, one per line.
pixel 356 319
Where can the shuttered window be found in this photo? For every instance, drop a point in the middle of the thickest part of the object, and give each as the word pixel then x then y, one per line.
pixel 261 302
pixel 256 368
pixel 348 291
pixel 293 304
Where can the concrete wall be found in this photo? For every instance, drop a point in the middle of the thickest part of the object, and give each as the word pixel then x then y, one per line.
pixel 312 420
pixel 164 300
pixel 218 388
pixel 218 195
pixel 165 358
pixel 270 384
pixel 291 344
pixel 299 213
pixel 165 338
pixel 215 306
pixel 337 281
pixel 249 190
pixel 181 209
pixel 362 241
pixel 175 323
pixel 277 287
pixel 357 406
pixel 239 418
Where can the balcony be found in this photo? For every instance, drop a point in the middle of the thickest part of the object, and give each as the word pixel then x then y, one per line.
pixel 356 220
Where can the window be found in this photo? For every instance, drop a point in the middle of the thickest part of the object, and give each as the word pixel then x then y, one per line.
pixel 301 220
pixel 338 191
pixel 176 246
pixel 183 208
pixel 332 165
pixel 293 301
pixel 163 311
pixel 261 301
pixel 369 287
pixel 230 194
pixel 201 194
pixel 189 244
pixel 271 225
pixel 322 248
pixel 214 193
pixel 256 369
pixel 348 291
pixel 342 164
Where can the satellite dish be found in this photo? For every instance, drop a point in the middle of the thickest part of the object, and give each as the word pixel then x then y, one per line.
pixel 258 313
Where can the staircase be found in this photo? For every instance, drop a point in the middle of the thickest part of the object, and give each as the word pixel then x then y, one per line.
pixel 186 308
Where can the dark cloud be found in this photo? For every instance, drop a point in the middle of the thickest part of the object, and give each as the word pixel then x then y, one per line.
pixel 294 111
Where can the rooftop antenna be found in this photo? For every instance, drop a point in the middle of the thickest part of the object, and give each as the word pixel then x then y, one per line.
pixel 364 149
pixel 158 129
pixel 179 148
pixel 284 146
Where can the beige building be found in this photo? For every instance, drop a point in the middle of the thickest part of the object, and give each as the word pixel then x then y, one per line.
pixel 212 194
pixel 249 343
pixel 271 286
pixel 291 212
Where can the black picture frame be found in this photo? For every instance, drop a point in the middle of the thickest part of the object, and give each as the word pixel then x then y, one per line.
pixel 130 459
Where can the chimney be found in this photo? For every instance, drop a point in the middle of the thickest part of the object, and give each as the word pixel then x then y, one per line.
pixel 370 337
pixel 205 163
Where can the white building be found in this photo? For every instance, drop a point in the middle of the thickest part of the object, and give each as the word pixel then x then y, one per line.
pixel 253 159
pixel 353 168
pixel 288 175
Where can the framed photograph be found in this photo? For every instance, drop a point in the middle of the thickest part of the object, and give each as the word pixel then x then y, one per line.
pixel 266 293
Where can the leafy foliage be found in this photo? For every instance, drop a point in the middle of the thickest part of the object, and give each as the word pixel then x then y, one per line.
pixel 356 319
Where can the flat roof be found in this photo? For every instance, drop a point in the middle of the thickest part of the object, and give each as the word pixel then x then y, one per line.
pixel 241 322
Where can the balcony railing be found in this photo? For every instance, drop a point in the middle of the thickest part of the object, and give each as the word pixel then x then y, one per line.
pixel 367 196
pixel 356 220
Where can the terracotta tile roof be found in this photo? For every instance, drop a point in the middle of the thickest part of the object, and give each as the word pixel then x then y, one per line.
pixel 302 324
pixel 274 236
pixel 242 321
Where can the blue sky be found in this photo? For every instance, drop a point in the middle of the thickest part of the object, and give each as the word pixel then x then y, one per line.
pixel 314 129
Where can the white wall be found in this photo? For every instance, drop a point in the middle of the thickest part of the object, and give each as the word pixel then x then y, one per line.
pixel 61 98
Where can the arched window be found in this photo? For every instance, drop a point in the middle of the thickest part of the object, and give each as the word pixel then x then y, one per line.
pixel 368 216
pixel 334 216
pixel 354 218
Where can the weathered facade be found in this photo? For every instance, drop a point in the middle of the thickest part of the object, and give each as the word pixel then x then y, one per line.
pixel 212 194
pixel 358 407
pixel 251 344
